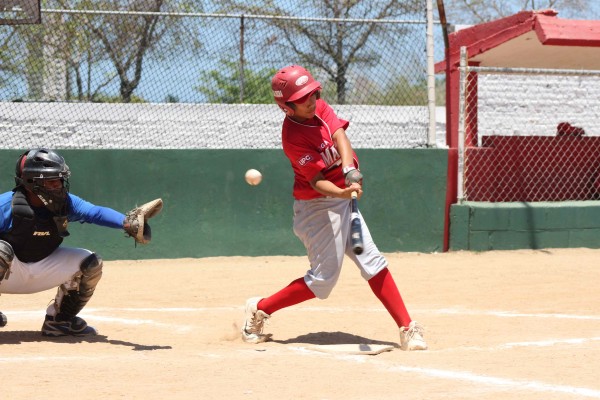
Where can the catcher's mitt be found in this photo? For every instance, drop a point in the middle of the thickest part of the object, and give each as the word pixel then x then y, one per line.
pixel 136 221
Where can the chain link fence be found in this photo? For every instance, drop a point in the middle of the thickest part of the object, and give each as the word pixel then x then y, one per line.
pixel 529 135
pixel 115 79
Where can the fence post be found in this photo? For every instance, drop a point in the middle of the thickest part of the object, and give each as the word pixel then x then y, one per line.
pixel 242 83
pixel 430 76
pixel 461 124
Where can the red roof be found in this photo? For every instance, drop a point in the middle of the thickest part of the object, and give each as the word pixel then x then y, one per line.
pixel 529 39
pixel 567 32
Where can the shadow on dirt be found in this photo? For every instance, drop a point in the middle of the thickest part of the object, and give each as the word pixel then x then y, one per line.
pixel 324 338
pixel 18 337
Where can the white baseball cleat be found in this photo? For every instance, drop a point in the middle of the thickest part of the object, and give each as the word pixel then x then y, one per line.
pixel 254 323
pixel 411 338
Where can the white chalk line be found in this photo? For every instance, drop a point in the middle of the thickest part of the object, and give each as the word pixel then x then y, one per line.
pixel 19 359
pixel 441 311
pixel 513 314
pixel 499 382
pixel 93 313
pixel 486 380
pixel 464 376
pixel 431 372
pixel 549 343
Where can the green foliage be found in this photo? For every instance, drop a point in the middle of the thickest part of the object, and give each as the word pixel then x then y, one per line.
pixel 403 92
pixel 399 91
pixel 330 49
pixel 170 98
pixel 223 86
pixel 103 98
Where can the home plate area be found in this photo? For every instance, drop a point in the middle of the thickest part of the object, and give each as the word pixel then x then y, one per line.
pixel 356 348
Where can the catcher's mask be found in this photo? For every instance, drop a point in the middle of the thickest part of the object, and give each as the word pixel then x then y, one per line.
pixel 44 173
pixel 291 84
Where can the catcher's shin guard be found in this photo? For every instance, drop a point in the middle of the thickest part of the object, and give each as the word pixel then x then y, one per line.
pixel 73 301
pixel 7 255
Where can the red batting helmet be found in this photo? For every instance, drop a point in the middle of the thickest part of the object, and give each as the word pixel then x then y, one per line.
pixel 290 84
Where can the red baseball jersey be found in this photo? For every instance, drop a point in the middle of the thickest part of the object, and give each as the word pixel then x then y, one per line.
pixel 310 148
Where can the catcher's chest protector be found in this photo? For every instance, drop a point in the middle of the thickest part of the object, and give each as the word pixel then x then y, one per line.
pixel 32 237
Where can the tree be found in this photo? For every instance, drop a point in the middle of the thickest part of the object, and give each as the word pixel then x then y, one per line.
pixel 478 11
pixel 77 49
pixel 221 86
pixel 333 46
pixel 53 52
pixel 127 40
pixel 8 67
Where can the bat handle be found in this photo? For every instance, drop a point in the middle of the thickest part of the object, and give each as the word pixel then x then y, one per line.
pixel 354 195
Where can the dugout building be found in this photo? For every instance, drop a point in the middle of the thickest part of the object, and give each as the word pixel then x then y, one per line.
pixel 523 131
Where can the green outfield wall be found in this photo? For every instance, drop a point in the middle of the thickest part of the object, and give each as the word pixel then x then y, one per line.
pixel 209 210
pixel 481 226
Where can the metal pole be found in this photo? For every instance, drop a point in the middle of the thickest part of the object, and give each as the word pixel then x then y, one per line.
pixel 461 124
pixel 442 13
pixel 242 59
pixel 430 76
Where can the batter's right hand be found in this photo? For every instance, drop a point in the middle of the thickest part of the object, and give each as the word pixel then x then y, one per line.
pixel 355 187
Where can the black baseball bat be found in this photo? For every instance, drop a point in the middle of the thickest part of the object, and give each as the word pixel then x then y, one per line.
pixel 355 228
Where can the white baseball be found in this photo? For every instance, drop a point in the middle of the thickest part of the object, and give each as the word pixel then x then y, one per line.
pixel 253 177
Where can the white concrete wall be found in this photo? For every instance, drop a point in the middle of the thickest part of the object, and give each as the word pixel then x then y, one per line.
pixel 213 126
pixel 534 105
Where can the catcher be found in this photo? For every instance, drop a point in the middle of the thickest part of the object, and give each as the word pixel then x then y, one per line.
pixel 34 218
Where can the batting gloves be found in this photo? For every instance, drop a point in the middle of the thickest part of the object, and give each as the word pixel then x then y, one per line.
pixel 352 175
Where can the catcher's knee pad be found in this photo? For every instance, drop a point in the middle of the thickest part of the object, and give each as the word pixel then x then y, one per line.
pixel 7 255
pixel 91 270
pixel 74 300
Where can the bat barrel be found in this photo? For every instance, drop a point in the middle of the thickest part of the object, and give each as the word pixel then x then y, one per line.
pixel 356 237
pixel 355 227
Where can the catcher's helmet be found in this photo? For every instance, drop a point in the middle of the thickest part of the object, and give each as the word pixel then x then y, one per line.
pixel 38 165
pixel 291 84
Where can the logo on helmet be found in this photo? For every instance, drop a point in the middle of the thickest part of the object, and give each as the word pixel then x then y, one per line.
pixel 302 80
pixel 277 93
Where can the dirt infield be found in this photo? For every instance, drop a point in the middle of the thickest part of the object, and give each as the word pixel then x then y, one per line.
pixel 500 325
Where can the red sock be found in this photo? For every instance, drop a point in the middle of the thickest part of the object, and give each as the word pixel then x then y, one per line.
pixel 385 289
pixel 294 293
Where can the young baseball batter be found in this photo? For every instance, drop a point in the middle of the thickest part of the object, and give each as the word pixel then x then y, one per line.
pixel 326 172
pixel 34 218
